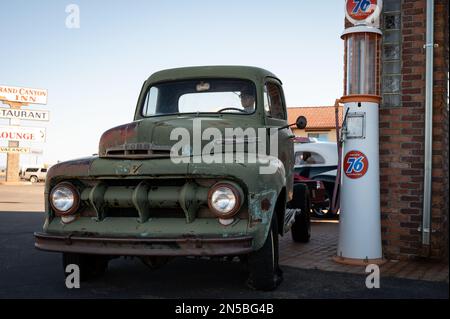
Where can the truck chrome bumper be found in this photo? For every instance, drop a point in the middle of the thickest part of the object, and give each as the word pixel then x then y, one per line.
pixel 189 246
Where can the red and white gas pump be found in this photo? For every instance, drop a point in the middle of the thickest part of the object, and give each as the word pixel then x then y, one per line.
pixel 360 226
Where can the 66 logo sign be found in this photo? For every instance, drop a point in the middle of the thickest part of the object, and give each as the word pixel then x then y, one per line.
pixel 355 164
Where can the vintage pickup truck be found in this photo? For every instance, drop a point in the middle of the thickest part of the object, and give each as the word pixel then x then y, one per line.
pixel 204 169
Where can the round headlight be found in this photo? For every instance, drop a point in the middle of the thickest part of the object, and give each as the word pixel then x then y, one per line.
pixel 64 199
pixel 224 200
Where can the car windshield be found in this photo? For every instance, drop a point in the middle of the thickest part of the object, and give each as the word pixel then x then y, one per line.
pixel 201 96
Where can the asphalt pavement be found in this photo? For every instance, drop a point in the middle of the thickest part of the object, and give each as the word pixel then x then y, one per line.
pixel 28 273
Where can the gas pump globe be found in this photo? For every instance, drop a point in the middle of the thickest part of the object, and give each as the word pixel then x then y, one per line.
pixel 360 226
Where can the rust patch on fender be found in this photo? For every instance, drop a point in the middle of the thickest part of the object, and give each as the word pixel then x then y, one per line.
pixel 77 168
pixel 118 135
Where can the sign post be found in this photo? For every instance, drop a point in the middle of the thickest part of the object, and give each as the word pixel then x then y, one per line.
pixel 360 225
pixel 13 159
pixel 16 98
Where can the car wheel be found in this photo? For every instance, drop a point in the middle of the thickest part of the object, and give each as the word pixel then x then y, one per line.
pixel 322 212
pixel 91 266
pixel 34 179
pixel 301 229
pixel 265 272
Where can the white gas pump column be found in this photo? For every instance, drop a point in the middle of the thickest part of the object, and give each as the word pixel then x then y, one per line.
pixel 359 225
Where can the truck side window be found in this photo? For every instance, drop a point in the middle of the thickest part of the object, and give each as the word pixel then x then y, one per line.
pixel 266 101
pixel 274 100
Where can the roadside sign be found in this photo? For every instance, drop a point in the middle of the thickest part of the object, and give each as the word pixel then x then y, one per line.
pixel 23 95
pixel 21 114
pixel 36 151
pixel 356 164
pixel 363 11
pixel 21 150
pixel 22 133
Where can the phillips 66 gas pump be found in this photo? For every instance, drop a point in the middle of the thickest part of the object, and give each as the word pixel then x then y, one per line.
pixel 360 227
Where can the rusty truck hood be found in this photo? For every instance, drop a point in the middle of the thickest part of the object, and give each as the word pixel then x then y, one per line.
pixel 151 137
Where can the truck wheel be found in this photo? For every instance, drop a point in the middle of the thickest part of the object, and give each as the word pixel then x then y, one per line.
pixel 33 179
pixel 265 273
pixel 91 266
pixel 301 229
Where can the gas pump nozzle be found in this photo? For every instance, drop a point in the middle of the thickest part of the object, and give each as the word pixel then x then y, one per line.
pixel 344 128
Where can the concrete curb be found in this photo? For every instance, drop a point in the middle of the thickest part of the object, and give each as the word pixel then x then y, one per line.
pixel 16 183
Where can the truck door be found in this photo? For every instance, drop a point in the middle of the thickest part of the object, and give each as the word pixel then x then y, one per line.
pixel 276 116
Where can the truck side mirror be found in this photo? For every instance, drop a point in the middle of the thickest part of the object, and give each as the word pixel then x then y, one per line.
pixel 301 122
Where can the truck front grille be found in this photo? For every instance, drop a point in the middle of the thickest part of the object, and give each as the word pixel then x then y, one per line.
pixel 138 151
pixel 145 199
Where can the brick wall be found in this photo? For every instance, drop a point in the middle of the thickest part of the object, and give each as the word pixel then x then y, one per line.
pixel 402 141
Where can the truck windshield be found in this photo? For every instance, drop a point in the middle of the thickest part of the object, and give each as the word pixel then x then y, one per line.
pixel 201 96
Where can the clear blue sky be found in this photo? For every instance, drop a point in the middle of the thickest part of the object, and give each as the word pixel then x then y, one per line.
pixel 94 74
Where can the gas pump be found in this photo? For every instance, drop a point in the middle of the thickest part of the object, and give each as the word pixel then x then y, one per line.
pixel 360 226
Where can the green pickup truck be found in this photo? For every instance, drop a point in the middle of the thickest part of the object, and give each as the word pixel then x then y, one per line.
pixel 204 169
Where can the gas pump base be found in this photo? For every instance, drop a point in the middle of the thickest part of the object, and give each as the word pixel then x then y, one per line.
pixel 358 262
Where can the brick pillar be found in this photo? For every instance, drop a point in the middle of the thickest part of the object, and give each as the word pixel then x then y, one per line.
pixel 439 221
pixel 12 164
pixel 402 141
pixel 402 134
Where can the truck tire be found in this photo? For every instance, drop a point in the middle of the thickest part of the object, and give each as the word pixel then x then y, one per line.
pixel 34 179
pixel 91 266
pixel 265 272
pixel 301 229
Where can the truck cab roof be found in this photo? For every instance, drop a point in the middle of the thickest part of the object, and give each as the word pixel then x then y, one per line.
pixel 219 71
